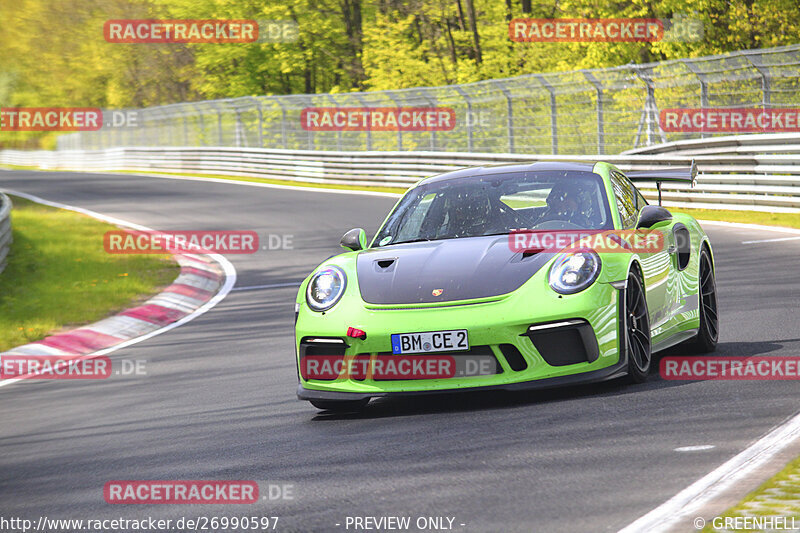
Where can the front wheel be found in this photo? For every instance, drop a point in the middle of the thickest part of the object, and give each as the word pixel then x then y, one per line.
pixel 636 338
pixel 706 339
pixel 340 406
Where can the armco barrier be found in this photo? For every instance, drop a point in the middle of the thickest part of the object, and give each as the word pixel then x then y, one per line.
pixel 5 229
pixel 763 175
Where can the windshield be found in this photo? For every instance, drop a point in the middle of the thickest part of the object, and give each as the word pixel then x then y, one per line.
pixel 497 204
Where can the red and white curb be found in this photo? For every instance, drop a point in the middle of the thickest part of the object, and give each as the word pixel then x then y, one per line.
pixel 204 280
pixel 197 283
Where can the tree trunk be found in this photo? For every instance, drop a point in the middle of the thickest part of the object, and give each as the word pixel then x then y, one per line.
pixel 451 43
pixel 351 12
pixel 473 26
pixel 461 24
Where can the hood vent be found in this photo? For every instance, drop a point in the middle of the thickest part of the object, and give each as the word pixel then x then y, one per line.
pixel 447 270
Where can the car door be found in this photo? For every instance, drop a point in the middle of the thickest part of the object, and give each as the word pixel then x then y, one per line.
pixel 656 266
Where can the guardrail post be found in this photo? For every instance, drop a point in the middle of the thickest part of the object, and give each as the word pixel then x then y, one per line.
pixel 369 129
pixel 338 132
pixel 200 116
pixel 220 139
pixel 185 126
pixel 757 60
pixel 431 103
pixel 167 114
pixel 309 131
pixel 701 77
pixel 465 96
pixel 260 122
pixel 238 131
pixel 509 114
pixel 601 145
pixel 170 124
pixel 399 133
pixel 143 117
pixel 650 111
pixel 553 112
pixel 283 121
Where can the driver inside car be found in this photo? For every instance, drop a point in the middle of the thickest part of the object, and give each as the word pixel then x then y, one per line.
pixel 572 203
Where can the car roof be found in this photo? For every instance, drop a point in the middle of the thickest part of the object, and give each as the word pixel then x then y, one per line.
pixel 505 169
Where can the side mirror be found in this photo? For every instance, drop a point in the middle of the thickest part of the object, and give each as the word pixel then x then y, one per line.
pixel 652 215
pixel 355 239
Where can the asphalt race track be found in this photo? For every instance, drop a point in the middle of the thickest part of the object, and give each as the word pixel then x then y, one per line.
pixel 218 400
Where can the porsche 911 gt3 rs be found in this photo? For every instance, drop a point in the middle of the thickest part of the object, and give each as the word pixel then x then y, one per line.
pixel 494 277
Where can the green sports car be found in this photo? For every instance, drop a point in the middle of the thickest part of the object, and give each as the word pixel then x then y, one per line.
pixel 506 277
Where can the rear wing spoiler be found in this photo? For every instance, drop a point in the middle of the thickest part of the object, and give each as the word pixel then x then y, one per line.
pixel 669 175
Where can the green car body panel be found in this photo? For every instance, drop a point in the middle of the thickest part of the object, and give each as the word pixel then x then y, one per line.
pixel 672 302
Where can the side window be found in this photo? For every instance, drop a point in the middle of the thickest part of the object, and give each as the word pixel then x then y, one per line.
pixel 626 199
pixel 640 201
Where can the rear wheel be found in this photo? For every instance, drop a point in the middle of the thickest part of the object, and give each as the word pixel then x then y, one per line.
pixel 340 406
pixel 708 334
pixel 637 330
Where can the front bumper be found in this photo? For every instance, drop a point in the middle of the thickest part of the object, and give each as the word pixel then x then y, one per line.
pixel 493 324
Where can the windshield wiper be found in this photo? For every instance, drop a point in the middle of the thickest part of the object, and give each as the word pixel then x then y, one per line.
pixel 504 232
pixel 410 240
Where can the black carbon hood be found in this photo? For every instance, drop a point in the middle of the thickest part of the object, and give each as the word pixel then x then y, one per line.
pixel 462 269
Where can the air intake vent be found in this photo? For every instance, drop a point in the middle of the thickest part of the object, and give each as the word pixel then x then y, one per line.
pixel 565 343
pixel 514 358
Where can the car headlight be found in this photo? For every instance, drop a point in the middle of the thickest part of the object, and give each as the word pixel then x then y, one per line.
pixel 326 288
pixel 573 272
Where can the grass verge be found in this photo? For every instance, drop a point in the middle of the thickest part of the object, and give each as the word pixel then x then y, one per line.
pixel 59 276
pixel 291 183
pixel 787 220
pixel 778 497
pixel 340 186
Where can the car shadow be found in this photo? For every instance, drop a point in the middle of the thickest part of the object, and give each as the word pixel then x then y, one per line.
pixel 455 402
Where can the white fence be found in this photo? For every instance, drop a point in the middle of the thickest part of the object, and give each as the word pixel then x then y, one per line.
pixel 751 172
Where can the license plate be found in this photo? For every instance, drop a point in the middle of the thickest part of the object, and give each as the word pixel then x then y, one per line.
pixel 430 341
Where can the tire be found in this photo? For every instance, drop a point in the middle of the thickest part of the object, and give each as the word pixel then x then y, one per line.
pixel 707 336
pixel 340 406
pixel 636 328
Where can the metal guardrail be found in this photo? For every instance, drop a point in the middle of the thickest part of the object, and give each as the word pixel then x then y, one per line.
pixel 5 230
pixel 728 180
pixel 773 143
pixel 596 111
